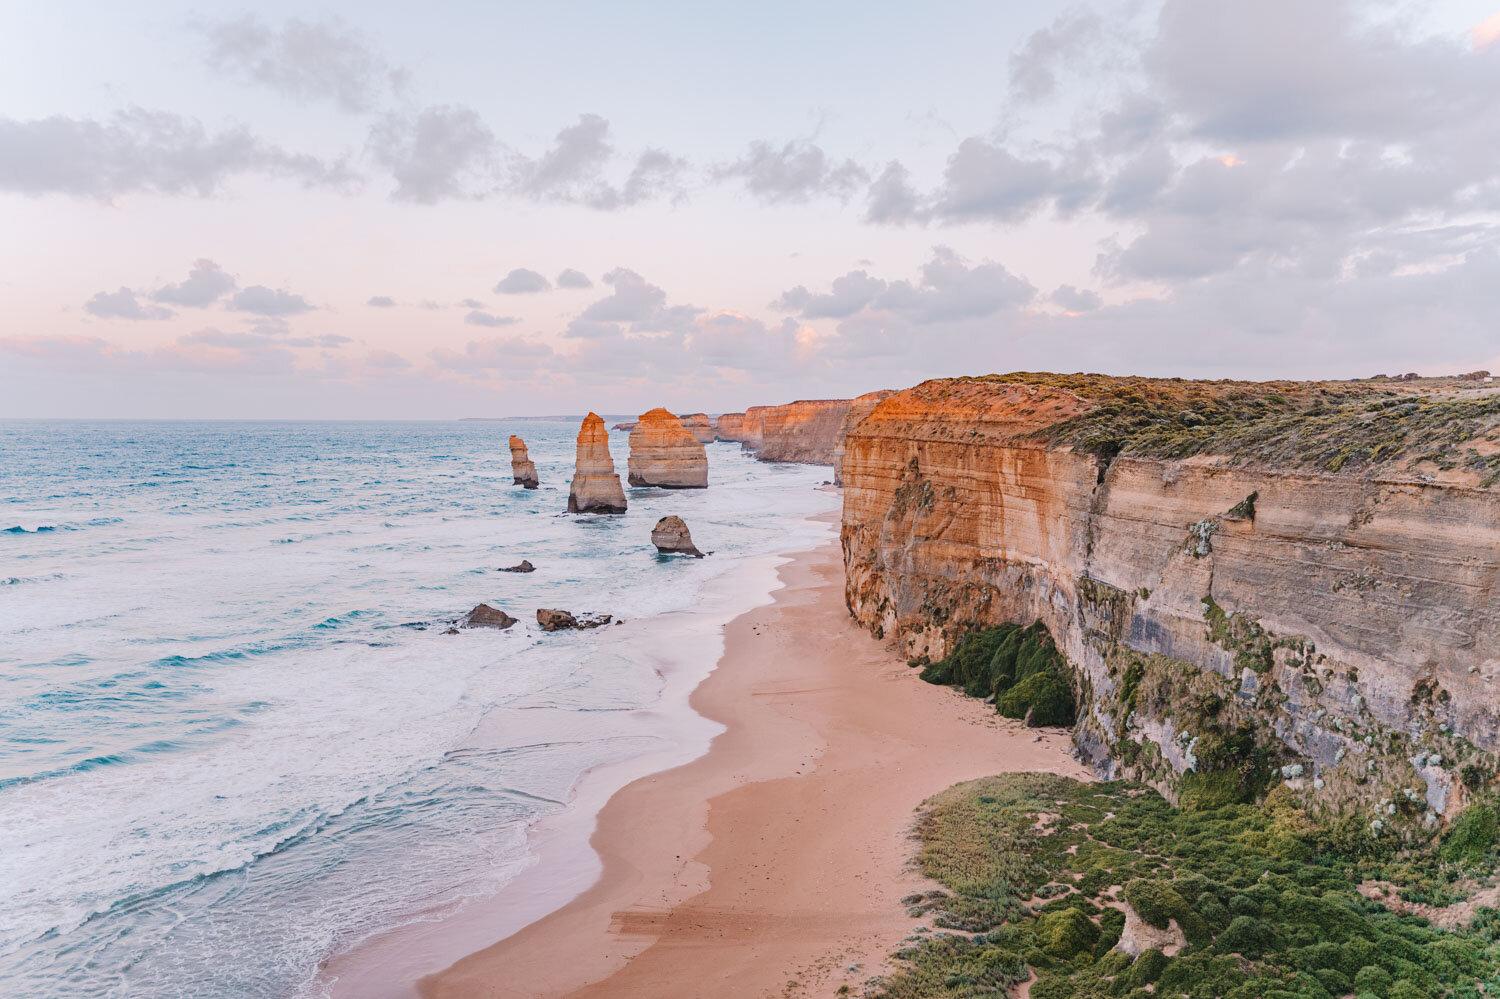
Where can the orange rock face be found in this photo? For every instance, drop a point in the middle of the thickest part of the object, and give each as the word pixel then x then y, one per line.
pixel 1317 607
pixel 729 426
pixel 595 488
pixel 700 426
pixel 522 468
pixel 664 453
pixel 806 432
pixel 861 407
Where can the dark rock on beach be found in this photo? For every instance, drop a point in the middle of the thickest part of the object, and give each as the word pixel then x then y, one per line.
pixel 561 620
pixel 670 536
pixel 485 616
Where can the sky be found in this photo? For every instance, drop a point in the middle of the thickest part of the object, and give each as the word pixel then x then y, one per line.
pixel 386 210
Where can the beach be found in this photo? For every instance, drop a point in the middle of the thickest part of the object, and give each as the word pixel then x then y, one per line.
pixel 774 864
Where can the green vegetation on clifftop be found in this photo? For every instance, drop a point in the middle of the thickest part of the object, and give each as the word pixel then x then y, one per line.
pixel 1248 901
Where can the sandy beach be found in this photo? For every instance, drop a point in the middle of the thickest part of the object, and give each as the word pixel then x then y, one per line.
pixel 774 864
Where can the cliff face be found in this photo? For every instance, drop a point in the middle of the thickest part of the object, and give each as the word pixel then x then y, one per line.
pixel 700 426
pixel 664 453
pixel 859 408
pixel 1294 570
pixel 729 427
pixel 806 432
pixel 522 468
pixel 595 487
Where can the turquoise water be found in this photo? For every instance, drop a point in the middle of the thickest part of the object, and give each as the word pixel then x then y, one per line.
pixel 234 739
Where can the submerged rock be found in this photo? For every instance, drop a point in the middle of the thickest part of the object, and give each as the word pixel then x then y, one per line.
pixel 485 616
pixel 664 453
pixel 522 468
pixel 521 566
pixel 561 620
pixel 595 488
pixel 670 536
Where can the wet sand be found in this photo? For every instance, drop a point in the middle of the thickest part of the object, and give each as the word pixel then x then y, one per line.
pixel 773 865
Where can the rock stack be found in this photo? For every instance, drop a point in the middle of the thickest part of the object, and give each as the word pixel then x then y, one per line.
pixel 522 468
pixel 670 536
pixel 700 426
pixel 664 453
pixel 596 487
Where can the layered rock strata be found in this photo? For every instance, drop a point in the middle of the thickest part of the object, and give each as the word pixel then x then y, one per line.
pixel 1301 581
pixel 806 432
pixel 671 536
pixel 595 487
pixel 664 453
pixel 859 408
pixel 730 427
pixel 522 468
pixel 700 426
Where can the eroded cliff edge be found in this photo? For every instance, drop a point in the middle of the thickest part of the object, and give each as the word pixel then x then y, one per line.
pixel 1252 582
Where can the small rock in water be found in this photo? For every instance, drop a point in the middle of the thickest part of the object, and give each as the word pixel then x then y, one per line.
pixel 485 616
pixel 522 566
pixel 560 620
pixel 670 535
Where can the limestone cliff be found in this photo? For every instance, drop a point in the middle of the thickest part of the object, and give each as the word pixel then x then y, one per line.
pixel 700 426
pixel 859 408
pixel 807 432
pixel 1299 578
pixel 729 427
pixel 522 468
pixel 595 487
pixel 665 453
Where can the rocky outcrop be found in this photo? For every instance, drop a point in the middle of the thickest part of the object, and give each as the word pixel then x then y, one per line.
pixel 663 453
pixel 625 425
pixel 805 432
pixel 671 536
pixel 522 468
pixel 595 488
pixel 700 426
pixel 521 566
pixel 730 427
pixel 485 616
pixel 859 408
pixel 561 620
pixel 1252 583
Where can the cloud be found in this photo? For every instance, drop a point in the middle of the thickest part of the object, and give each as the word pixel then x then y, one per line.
pixel 949 289
pixel 264 301
pixel 1075 299
pixel 471 303
pixel 306 61
pixel 441 152
pixel 569 278
pixel 633 300
pixel 497 354
pixel 1034 66
pixel 846 296
pixel 205 284
pixel 122 304
pixel 795 172
pixel 521 281
pixel 380 302
pixel 572 170
pixel 137 150
pixel 478 318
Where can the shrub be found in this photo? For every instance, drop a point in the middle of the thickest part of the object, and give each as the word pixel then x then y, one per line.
pixel 1472 836
pixel 1067 932
pixel 1372 978
pixel 1045 695
pixel 1157 902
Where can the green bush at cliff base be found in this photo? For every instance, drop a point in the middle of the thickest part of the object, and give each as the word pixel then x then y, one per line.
pixel 1472 837
pixel 1037 867
pixel 1019 667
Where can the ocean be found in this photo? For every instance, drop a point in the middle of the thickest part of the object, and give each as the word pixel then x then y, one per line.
pixel 235 740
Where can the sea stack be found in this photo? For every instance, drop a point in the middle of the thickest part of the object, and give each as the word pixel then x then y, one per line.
pixel 670 536
pixel 522 468
pixel 596 487
pixel 700 426
pixel 664 453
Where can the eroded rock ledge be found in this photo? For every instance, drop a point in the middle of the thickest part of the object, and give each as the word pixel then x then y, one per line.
pixel 1298 580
